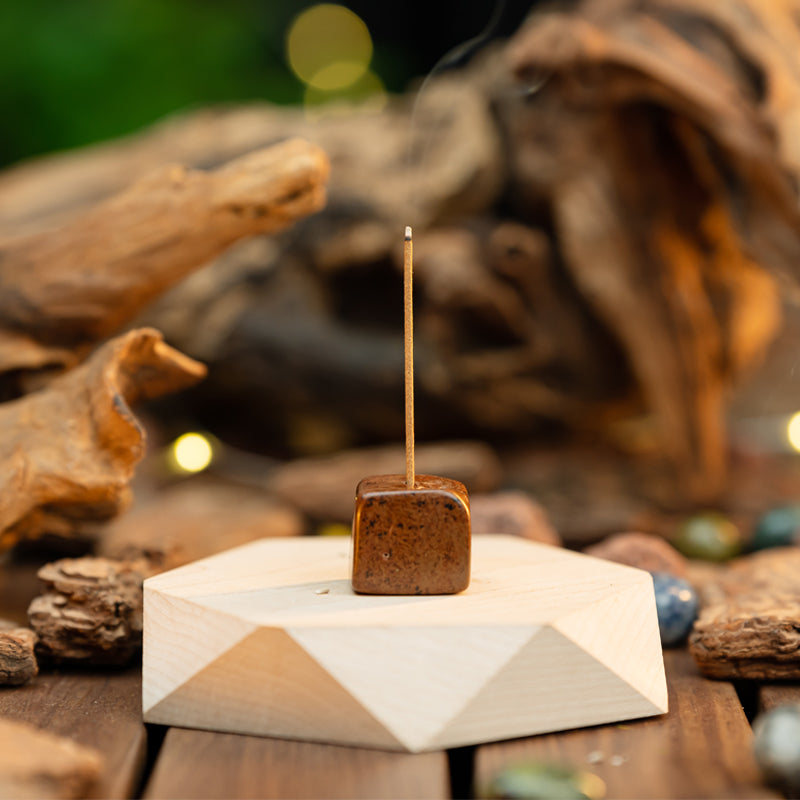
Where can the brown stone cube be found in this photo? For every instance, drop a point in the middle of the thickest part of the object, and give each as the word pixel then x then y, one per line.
pixel 411 541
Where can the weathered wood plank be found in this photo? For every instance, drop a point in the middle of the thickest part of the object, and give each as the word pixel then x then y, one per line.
pixel 98 709
pixel 204 764
pixel 772 695
pixel 701 748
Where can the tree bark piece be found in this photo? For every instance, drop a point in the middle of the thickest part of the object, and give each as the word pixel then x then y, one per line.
pixel 67 289
pixel 195 520
pixel 17 659
pixel 90 611
pixel 68 452
pixel 36 765
pixel 749 625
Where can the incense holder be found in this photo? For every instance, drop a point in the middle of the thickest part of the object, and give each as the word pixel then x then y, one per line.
pixel 411 540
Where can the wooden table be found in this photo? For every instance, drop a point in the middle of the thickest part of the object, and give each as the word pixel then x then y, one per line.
pixel 701 749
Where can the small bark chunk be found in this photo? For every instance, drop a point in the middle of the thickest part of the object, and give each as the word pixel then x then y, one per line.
pixel 91 611
pixel 17 659
pixel 749 625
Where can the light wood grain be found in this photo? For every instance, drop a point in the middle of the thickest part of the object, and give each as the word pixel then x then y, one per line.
pixel 202 764
pixel 270 639
pixel 101 710
pixel 702 748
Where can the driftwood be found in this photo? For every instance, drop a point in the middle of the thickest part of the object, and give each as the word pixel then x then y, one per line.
pixel 90 611
pixel 651 176
pixel 67 289
pixel 17 658
pixel 68 452
pixel 384 168
pixel 601 211
pixel 671 219
pixel 749 624
pixel 193 520
pixel 324 487
pixel 37 765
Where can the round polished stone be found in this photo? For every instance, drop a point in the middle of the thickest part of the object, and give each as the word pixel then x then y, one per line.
pixel 538 781
pixel 776 744
pixel 777 527
pixel 709 536
pixel 677 605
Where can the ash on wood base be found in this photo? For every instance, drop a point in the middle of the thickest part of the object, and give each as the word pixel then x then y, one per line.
pixel 270 639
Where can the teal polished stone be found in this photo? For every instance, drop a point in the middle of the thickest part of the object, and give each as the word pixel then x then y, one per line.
pixel 778 527
pixel 710 536
pixel 537 781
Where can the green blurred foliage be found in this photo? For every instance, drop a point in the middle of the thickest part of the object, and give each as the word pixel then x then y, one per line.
pixel 79 71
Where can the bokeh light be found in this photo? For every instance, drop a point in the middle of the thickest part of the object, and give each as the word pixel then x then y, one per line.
pixel 329 47
pixel 191 452
pixel 366 94
pixel 793 431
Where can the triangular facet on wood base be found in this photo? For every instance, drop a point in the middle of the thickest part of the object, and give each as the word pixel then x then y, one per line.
pixel 269 639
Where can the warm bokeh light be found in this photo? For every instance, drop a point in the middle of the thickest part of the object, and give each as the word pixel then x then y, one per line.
pixel 793 431
pixel 329 47
pixel 191 452
pixel 334 529
pixel 366 95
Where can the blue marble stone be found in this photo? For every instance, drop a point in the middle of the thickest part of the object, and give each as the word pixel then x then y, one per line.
pixel 677 605
pixel 776 745
pixel 777 527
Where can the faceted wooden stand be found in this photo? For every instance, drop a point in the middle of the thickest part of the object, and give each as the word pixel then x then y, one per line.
pixel 270 639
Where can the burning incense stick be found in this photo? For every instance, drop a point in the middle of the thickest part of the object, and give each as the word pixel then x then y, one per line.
pixel 409 354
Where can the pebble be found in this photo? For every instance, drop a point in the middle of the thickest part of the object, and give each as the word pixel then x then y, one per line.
pixel 643 550
pixel 537 781
pixel 778 527
pixel 513 513
pixel 709 536
pixel 677 607
pixel 776 745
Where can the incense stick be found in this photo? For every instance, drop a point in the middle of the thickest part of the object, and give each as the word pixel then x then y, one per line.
pixel 409 355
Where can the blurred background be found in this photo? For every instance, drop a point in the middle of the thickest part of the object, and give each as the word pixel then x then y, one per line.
pixel 73 73
pixel 604 197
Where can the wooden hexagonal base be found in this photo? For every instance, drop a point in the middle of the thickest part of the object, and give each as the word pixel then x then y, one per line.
pixel 270 639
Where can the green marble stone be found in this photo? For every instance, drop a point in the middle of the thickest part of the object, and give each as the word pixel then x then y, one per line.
pixel 778 527
pixel 536 781
pixel 709 536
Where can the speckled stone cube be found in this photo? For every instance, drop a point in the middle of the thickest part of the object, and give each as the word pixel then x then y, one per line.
pixel 411 540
